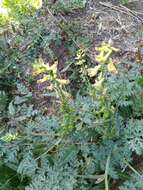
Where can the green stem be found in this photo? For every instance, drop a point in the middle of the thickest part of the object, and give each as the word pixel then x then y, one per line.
pixel 97 177
pixel 55 144
pixel 106 172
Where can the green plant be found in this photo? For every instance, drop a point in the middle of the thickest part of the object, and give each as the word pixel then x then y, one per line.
pixel 14 9
pixel 94 130
pixel 92 137
pixel 85 130
pixel 69 6
pixel 124 2
pixel 134 183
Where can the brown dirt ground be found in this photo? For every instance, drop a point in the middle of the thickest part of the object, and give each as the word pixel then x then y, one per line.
pixel 104 20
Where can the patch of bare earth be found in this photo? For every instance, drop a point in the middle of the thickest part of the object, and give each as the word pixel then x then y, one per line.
pixel 104 20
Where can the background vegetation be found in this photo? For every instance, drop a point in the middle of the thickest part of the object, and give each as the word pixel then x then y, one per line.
pixel 71 111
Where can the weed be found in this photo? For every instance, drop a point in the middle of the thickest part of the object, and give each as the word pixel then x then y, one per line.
pixel 91 138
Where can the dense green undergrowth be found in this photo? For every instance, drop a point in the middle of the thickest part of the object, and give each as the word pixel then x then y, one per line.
pixel 91 139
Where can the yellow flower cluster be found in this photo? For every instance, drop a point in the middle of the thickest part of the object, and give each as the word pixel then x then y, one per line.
pixel 49 72
pixel 80 57
pixel 105 64
pixel 40 67
pixel 105 52
pixel 103 57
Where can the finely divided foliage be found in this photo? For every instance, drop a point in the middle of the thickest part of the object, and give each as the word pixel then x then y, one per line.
pixel 91 138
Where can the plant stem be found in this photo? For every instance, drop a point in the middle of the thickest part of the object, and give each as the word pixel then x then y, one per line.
pixel 106 172
pixel 97 177
pixel 55 144
pixel 133 169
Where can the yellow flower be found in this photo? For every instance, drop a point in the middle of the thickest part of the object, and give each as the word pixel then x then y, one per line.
pixel 53 67
pixel 93 71
pixel 115 49
pixel 66 94
pixel 40 67
pixel 10 137
pixel 45 78
pixel 80 53
pixel 50 87
pixel 104 52
pixel 106 47
pixel 80 57
pixel 37 70
pixel 99 84
pixel 37 4
pixel 80 62
pixel 63 81
pixel 111 67
pixel 101 59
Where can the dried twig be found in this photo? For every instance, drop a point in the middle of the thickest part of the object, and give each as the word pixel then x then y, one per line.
pixel 122 9
pixel 134 13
